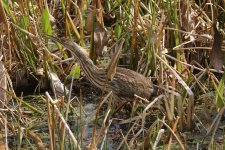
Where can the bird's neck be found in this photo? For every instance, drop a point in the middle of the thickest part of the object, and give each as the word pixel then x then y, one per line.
pixel 95 74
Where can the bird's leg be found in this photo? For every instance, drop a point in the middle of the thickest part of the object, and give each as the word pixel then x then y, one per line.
pixel 111 69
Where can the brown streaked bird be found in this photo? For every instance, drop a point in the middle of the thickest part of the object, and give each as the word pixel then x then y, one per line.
pixel 124 83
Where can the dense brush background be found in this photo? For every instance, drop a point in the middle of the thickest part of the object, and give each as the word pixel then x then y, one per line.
pixel 178 44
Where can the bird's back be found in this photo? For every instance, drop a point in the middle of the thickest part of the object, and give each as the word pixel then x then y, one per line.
pixel 127 82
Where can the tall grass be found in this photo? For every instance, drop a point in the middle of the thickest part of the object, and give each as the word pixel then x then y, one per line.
pixel 167 41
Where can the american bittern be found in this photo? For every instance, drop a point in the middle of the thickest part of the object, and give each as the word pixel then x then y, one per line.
pixel 124 84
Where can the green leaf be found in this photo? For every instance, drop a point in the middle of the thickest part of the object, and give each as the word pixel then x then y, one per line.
pixel 5 5
pixel 117 31
pixel 45 20
pixel 24 22
pixel 219 94
pixel 75 72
